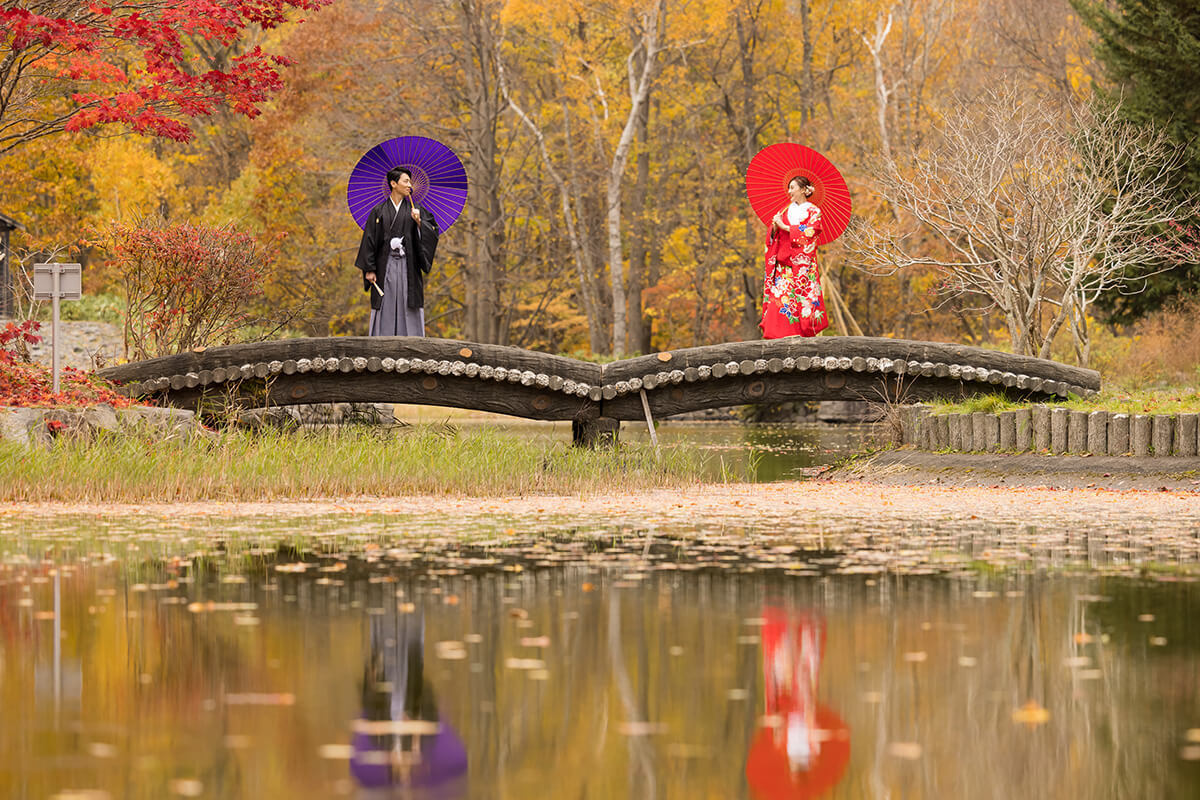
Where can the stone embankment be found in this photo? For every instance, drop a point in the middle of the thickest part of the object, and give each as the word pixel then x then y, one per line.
pixel 39 426
pixel 82 345
pixel 1052 430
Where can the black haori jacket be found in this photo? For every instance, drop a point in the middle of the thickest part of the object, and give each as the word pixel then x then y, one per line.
pixel 382 225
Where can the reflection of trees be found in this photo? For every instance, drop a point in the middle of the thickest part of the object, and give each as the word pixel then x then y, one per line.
pixel 611 658
pixel 641 756
pixel 1103 734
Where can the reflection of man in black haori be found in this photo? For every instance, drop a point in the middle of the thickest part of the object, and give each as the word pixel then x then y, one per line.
pixel 803 747
pixel 401 746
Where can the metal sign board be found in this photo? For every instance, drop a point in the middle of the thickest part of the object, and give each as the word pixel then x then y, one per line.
pixel 70 281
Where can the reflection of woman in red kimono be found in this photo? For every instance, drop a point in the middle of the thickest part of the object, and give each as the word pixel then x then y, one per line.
pixel 792 301
pixel 803 748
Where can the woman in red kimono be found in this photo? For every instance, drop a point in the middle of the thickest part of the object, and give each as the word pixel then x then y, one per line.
pixel 792 301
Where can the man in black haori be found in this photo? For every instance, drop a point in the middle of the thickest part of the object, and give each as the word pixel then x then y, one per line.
pixel 396 253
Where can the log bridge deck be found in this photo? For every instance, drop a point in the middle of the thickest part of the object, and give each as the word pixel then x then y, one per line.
pixel 524 383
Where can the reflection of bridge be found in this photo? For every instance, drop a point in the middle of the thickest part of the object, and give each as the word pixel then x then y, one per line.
pixel 523 383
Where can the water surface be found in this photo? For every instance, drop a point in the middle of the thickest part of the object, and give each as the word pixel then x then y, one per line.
pixel 594 664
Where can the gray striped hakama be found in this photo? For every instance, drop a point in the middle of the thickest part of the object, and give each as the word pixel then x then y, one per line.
pixel 394 317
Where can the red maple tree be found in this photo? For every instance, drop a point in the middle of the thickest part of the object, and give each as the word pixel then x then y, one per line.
pixel 67 65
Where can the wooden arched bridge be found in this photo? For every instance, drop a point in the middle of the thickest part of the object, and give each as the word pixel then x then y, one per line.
pixel 523 383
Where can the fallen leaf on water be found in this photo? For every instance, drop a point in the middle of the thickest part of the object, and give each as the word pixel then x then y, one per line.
pixel 261 699
pixel 524 663
pixel 450 650
pixel 1031 714
pixel 186 787
pixel 398 727
pixel 341 752
pixel 909 751
pixel 641 728
pixel 101 750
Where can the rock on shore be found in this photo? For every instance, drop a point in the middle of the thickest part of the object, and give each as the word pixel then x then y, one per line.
pixel 39 426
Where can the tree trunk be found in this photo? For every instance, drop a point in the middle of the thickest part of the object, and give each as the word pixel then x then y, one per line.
pixel 486 314
pixel 639 326
pixel 747 33
pixel 640 81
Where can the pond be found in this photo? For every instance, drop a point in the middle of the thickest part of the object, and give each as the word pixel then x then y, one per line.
pixel 324 658
pixel 760 452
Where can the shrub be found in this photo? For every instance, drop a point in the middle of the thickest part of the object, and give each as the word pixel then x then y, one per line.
pixel 186 285
pixel 23 383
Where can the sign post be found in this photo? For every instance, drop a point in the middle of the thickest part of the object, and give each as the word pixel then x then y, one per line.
pixel 56 282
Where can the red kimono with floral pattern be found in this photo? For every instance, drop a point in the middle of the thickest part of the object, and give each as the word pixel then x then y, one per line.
pixel 792 301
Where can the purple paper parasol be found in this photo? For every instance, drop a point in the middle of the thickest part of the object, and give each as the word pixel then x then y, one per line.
pixel 439 179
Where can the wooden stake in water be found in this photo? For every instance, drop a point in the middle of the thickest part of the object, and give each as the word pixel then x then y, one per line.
pixel 650 423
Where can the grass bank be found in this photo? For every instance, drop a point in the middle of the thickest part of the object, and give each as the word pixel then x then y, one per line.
pixel 1171 400
pixel 363 462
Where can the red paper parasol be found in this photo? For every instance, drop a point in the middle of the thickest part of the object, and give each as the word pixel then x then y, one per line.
pixel 767 179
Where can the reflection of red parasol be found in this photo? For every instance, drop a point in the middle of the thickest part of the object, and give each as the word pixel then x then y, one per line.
pixel 767 179
pixel 771 774
pixel 803 748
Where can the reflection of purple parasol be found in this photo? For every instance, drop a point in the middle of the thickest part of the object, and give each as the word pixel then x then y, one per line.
pixel 439 180
pixel 438 759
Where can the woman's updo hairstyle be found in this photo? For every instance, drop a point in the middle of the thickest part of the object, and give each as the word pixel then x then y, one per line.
pixel 805 184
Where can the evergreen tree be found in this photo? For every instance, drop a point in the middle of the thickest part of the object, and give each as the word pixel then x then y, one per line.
pixel 1150 50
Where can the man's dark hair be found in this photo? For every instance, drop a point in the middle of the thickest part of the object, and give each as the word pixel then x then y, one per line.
pixel 395 172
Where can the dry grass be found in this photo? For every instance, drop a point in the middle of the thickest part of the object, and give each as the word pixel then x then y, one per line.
pixel 353 462
pixel 1162 350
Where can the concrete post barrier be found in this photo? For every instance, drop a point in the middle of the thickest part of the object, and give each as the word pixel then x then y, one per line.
pixel 1024 423
pixel 1077 431
pixel 1041 428
pixel 1185 434
pixel 1118 434
pixel 1058 430
pixel 991 432
pixel 941 431
pixel 1139 435
pixel 923 417
pixel 1161 434
pixel 954 432
pixel 1008 430
pixel 979 431
pixel 1097 433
